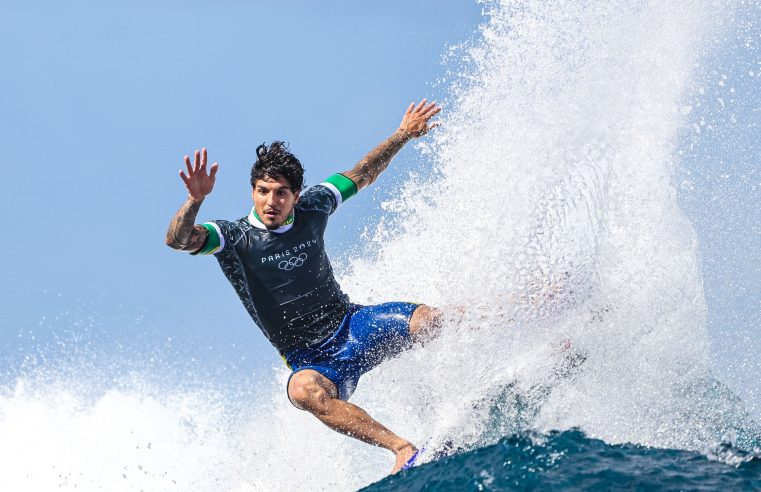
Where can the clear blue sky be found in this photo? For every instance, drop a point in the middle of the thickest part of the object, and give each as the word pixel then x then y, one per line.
pixel 99 101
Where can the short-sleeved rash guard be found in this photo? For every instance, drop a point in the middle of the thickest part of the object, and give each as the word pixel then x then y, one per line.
pixel 283 276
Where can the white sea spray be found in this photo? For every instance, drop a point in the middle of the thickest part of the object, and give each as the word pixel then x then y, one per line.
pixel 553 209
pixel 550 216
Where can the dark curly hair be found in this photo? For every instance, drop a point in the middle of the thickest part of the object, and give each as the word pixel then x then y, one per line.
pixel 275 162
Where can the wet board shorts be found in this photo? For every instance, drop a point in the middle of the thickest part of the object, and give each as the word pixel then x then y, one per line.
pixel 367 336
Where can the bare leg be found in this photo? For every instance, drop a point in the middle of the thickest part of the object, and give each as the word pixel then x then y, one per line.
pixel 311 391
pixel 425 323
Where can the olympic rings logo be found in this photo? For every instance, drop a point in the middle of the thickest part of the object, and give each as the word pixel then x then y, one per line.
pixel 293 262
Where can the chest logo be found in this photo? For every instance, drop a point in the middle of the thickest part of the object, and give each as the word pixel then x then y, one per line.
pixel 293 262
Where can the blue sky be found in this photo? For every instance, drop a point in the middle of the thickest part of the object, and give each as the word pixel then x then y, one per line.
pixel 100 101
pixel 719 185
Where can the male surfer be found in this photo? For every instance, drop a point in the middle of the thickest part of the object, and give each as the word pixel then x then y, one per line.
pixel 275 259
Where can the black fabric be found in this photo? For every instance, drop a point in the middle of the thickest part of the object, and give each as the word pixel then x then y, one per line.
pixel 285 280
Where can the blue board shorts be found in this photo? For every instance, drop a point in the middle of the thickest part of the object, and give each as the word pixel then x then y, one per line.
pixel 367 336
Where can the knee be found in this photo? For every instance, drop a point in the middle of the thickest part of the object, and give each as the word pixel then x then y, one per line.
pixel 308 392
pixel 425 322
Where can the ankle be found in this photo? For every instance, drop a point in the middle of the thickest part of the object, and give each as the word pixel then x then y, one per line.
pixel 402 446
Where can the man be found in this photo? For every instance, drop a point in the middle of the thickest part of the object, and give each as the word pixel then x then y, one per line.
pixel 276 261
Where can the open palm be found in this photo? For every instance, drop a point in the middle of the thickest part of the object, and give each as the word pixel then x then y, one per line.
pixel 416 120
pixel 197 181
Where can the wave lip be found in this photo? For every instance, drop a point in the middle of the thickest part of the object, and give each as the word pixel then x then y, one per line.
pixel 570 460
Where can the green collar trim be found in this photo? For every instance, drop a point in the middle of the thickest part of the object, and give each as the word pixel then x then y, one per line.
pixel 256 221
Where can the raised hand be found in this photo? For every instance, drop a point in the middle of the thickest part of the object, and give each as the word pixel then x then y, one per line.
pixel 197 181
pixel 416 120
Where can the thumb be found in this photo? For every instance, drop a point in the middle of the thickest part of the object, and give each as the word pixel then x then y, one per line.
pixel 431 127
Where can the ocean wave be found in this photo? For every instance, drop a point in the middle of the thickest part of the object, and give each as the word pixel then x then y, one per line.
pixel 571 460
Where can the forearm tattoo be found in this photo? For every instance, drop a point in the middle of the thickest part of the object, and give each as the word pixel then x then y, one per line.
pixel 377 160
pixel 180 234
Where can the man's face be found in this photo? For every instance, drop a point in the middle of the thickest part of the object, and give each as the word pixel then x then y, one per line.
pixel 273 201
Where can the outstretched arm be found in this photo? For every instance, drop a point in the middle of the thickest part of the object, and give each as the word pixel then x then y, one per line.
pixel 182 233
pixel 415 123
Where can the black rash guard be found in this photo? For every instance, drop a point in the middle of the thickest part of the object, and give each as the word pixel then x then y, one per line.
pixel 283 276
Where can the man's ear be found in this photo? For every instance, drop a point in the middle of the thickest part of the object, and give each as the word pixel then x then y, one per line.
pixel 296 196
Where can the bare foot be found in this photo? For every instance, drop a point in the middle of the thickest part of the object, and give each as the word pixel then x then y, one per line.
pixel 403 455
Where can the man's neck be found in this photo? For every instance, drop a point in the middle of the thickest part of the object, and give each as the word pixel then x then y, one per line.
pixel 285 226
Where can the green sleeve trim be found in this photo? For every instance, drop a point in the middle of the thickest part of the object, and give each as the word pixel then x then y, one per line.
pixel 213 243
pixel 345 186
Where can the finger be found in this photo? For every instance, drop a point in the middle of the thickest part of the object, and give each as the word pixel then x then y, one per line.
pixel 430 106
pixel 420 105
pixel 187 164
pixel 430 127
pixel 197 161
pixel 183 177
pixel 203 161
pixel 410 108
pixel 213 170
pixel 432 112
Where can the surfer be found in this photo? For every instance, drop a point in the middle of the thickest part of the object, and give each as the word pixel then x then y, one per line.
pixel 275 260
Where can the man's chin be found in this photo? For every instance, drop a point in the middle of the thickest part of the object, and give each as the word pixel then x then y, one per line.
pixel 272 224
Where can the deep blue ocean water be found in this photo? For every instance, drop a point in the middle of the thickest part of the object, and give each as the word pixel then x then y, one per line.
pixel 570 460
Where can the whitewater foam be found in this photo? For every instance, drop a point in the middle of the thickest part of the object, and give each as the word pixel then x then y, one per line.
pixel 549 215
pixel 552 205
